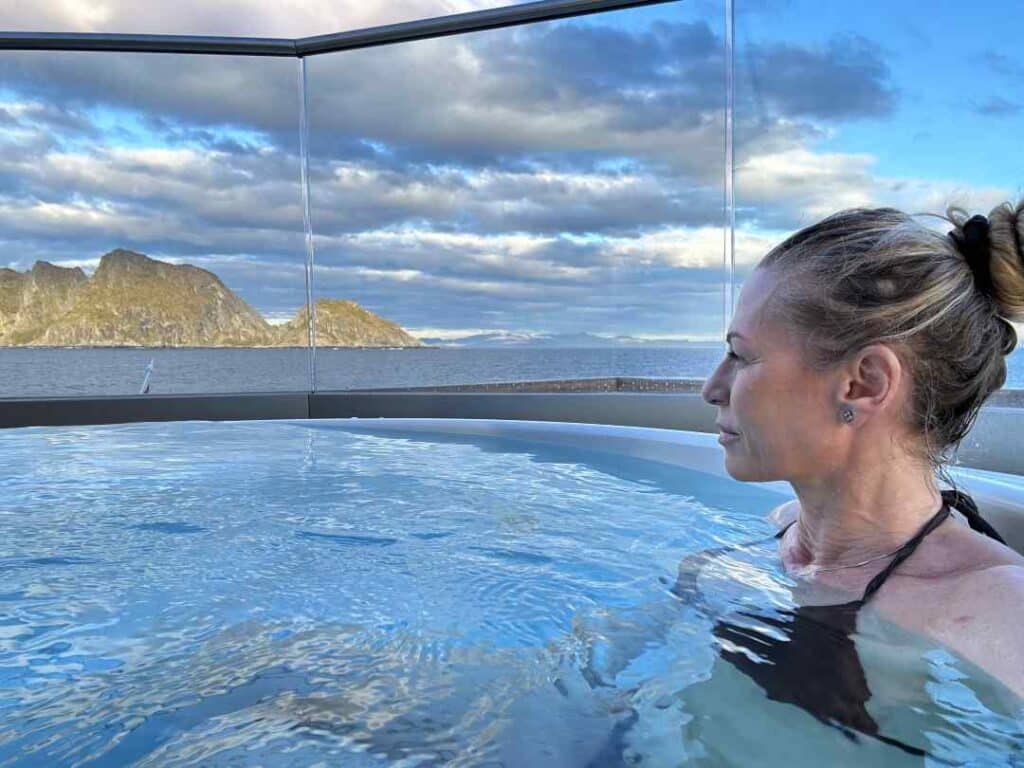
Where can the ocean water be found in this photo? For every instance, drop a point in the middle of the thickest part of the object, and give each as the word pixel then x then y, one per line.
pixel 27 372
pixel 306 594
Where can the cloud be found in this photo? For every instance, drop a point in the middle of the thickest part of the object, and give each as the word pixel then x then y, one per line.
pixel 564 176
pixel 1003 65
pixel 997 107
pixel 226 17
pixel 843 79
pixel 548 89
pixel 793 188
pixel 360 196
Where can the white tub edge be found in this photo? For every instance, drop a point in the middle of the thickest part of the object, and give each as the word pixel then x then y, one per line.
pixel 1000 496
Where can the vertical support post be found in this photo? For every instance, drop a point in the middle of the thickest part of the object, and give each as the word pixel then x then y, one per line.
pixel 729 252
pixel 307 220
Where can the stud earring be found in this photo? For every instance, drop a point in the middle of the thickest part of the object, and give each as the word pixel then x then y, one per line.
pixel 847 414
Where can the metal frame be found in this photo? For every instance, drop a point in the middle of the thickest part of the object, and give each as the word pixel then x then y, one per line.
pixel 420 29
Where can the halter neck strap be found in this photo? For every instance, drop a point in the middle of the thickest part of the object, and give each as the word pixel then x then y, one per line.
pixel 965 504
pixel 903 552
pixel 950 498
pixel 906 551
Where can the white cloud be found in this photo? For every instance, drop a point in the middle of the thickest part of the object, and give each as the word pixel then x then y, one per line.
pixel 450 202
pixel 676 247
pixel 447 334
pixel 289 18
pixel 508 256
pixel 803 186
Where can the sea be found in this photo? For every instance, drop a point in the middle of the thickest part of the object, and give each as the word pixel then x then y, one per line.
pixel 65 372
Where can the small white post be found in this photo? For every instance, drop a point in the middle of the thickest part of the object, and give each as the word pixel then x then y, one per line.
pixel 145 381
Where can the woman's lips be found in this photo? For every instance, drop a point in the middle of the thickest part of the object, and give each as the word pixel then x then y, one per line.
pixel 727 437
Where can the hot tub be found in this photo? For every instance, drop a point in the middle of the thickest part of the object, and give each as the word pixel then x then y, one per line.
pixel 421 592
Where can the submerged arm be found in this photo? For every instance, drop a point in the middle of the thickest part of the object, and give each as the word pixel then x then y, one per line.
pixel 612 640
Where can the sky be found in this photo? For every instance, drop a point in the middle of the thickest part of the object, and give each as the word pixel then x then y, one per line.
pixel 562 177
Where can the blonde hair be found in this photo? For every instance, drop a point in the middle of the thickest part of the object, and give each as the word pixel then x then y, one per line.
pixel 866 276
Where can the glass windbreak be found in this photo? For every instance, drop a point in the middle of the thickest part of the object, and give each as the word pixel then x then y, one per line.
pixel 909 104
pixel 534 204
pixel 151 225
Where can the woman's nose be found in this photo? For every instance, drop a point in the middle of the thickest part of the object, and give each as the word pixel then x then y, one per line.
pixel 713 391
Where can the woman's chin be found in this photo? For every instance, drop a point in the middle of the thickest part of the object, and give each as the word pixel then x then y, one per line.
pixel 739 469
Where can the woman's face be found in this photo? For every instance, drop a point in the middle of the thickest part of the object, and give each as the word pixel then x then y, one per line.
pixel 782 411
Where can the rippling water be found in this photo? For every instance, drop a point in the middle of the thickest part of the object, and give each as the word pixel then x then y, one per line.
pixel 283 594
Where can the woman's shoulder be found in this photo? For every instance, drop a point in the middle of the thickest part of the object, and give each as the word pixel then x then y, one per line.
pixel 983 620
pixel 962 553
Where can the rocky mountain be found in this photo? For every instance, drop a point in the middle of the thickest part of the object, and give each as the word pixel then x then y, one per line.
pixel 343 324
pixel 30 300
pixel 133 300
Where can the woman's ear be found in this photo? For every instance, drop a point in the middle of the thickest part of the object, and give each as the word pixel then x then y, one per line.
pixel 873 378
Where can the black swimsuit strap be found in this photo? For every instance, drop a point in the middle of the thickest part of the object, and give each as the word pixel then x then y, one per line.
pixel 901 554
pixel 961 501
pixel 957 499
pixel 906 551
pixel 966 505
pixel 806 655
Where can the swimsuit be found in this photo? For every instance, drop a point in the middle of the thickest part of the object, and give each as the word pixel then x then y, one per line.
pixel 806 655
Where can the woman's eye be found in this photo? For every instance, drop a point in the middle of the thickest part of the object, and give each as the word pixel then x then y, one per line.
pixel 733 355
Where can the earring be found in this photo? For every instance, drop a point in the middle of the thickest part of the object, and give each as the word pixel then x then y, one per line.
pixel 847 414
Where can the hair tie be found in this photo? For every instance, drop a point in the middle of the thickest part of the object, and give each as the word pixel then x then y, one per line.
pixel 973 244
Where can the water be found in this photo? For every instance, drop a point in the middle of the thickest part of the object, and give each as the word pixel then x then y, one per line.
pixel 26 372
pixel 296 594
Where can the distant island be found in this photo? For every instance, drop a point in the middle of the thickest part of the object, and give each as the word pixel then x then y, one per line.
pixel 132 300
pixel 511 340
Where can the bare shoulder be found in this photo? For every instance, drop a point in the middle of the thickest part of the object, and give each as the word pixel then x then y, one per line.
pixel 983 619
pixel 785 513
pixel 969 556
pixel 985 606
pixel 1002 583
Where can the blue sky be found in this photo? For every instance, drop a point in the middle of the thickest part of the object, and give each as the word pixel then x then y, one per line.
pixel 947 63
pixel 563 177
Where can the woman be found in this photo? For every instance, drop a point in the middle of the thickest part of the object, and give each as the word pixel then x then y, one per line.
pixel 861 350
pixel 860 353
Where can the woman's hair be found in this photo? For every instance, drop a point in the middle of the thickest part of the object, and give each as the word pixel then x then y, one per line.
pixel 865 276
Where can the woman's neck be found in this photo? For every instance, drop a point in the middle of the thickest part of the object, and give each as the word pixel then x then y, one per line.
pixel 859 515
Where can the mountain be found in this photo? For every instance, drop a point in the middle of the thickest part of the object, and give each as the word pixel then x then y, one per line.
pixel 133 300
pixel 343 324
pixel 559 341
pixel 28 300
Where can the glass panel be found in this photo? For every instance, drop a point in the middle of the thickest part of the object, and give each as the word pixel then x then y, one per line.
pixel 148 203
pixel 530 204
pixel 909 104
pixel 246 18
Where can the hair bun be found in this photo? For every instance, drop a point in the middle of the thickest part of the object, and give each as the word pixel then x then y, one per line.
pixel 993 249
pixel 972 241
